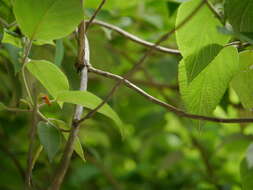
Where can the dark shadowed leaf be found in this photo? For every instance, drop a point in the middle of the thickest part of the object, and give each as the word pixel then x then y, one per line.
pixel 50 138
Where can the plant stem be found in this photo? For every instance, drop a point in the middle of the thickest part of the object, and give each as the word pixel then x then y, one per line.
pixel 83 59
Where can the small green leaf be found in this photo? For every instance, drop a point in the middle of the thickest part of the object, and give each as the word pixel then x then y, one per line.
pixel 204 93
pixel 50 138
pixel 48 19
pixel 198 38
pixel 242 82
pixel 90 101
pixel 10 39
pixel 59 52
pixel 240 15
pixel 50 76
pixel 77 144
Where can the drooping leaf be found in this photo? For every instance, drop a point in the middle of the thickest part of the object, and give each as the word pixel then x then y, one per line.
pixel 59 52
pixel 50 76
pixel 14 54
pixel 90 101
pixel 204 93
pixel 242 82
pixel 77 144
pixel 198 36
pixel 48 19
pixel 240 15
pixel 246 173
pixel 50 138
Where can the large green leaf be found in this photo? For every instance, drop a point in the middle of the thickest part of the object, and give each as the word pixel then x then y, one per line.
pixel 90 101
pixel 204 93
pixel 77 145
pixel 242 82
pixel 48 19
pixel 198 38
pixel 240 15
pixel 50 76
pixel 50 138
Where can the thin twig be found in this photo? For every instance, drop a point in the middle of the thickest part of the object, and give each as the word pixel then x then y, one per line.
pixel 94 15
pixel 214 11
pixel 83 59
pixel 32 134
pixel 135 38
pixel 167 106
pixel 24 61
pixel 141 61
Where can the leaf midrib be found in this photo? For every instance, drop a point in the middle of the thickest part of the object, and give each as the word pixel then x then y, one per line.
pixel 41 20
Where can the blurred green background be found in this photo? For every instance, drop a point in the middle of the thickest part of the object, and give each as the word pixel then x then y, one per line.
pixel 161 150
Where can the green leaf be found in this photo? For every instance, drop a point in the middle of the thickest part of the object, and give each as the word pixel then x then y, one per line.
pixel 197 62
pixel 204 93
pixel 77 145
pixel 50 76
pixel 14 54
pixel 59 52
pixel 90 101
pixel 10 39
pixel 246 175
pixel 240 15
pixel 50 138
pixel 242 82
pixel 48 19
pixel 198 38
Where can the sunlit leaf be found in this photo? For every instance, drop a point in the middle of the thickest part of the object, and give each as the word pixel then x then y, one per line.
pixel 10 39
pixel 204 93
pixel 242 82
pixel 198 33
pixel 50 76
pixel 90 101
pixel 48 19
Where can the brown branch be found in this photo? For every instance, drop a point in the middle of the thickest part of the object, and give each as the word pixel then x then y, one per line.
pixel 214 11
pixel 141 61
pixel 135 38
pixel 167 106
pixel 83 59
pixel 32 134
pixel 154 84
pixel 94 15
